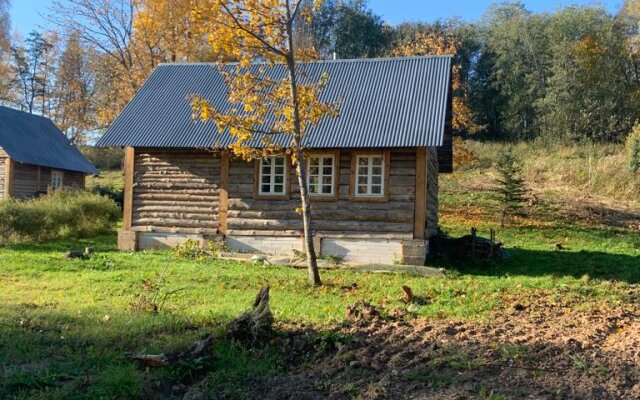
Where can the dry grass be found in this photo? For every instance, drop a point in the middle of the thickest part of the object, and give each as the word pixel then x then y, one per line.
pixel 599 170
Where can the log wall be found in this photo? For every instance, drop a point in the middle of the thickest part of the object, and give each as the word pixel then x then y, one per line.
pixel 342 218
pixel 176 191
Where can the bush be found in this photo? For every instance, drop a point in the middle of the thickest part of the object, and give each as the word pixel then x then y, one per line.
pixel 62 214
pixel 633 148
pixel 115 194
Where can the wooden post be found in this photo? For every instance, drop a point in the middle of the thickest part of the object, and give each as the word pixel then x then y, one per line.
pixel 8 177
pixel 420 206
pixel 223 206
pixel 129 159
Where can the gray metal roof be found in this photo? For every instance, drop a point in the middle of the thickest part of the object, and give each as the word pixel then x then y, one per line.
pixel 392 102
pixel 32 139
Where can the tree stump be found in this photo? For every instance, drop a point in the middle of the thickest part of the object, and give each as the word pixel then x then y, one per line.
pixel 255 326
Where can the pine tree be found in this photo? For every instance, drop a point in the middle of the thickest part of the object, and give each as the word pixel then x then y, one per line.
pixel 511 190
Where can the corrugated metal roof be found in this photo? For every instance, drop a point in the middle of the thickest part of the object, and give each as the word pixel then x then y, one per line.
pixel 32 139
pixel 391 102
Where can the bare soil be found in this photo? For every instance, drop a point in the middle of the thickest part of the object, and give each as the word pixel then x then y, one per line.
pixel 538 350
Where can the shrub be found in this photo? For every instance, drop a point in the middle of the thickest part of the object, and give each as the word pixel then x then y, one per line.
pixel 64 213
pixel 193 249
pixel 115 194
pixel 633 148
pixel 109 183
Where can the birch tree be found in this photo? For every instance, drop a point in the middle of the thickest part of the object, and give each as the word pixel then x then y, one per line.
pixel 263 31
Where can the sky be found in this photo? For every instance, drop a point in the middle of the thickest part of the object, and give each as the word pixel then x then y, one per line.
pixel 27 15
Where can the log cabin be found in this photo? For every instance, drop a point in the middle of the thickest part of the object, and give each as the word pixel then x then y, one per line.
pixel 36 157
pixel 373 171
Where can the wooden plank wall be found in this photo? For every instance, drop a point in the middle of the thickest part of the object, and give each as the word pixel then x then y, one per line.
pixel 342 218
pixel 176 191
pixel 3 157
pixel 30 180
pixel 432 192
pixel 24 181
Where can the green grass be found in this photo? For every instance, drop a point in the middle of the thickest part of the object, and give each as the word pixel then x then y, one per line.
pixel 65 326
pixel 111 178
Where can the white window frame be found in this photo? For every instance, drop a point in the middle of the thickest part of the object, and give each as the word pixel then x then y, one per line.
pixel 272 176
pixel 370 175
pixel 57 180
pixel 321 175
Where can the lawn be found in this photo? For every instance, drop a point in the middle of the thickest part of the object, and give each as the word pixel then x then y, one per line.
pixel 66 325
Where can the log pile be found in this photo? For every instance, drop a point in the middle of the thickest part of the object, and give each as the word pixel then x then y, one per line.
pixel 466 247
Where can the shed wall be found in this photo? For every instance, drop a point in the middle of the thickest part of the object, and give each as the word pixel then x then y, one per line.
pixel 3 157
pixel 176 191
pixel 30 180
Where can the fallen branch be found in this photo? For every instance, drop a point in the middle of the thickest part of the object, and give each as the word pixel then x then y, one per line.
pixel 161 360
pixel 253 327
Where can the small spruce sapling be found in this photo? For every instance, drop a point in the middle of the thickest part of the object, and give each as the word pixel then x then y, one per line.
pixel 633 148
pixel 511 190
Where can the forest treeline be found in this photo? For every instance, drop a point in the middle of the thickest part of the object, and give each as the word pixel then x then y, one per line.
pixel 571 74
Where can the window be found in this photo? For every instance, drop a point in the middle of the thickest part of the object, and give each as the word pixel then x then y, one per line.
pixel 370 176
pixel 56 179
pixel 273 176
pixel 321 175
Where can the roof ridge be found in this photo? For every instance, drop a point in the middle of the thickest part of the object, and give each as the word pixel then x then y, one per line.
pixel 339 60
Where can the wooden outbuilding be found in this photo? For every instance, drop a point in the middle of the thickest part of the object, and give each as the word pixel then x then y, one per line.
pixel 36 157
pixel 373 171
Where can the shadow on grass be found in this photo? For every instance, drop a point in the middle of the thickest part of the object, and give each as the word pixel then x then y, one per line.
pixel 527 262
pixel 49 354
pixel 104 244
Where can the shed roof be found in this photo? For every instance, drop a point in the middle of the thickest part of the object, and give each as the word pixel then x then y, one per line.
pixel 390 102
pixel 32 139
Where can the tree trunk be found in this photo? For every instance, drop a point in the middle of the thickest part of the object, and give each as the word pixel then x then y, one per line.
pixel 312 263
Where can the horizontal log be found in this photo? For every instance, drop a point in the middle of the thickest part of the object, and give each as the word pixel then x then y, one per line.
pixel 259 205
pixel 358 235
pixel 196 192
pixel 265 224
pixel 178 223
pixel 179 196
pixel 157 216
pixel 330 215
pixel 162 229
pixel 277 233
pixel 173 203
pixel 182 208
pixel 177 185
